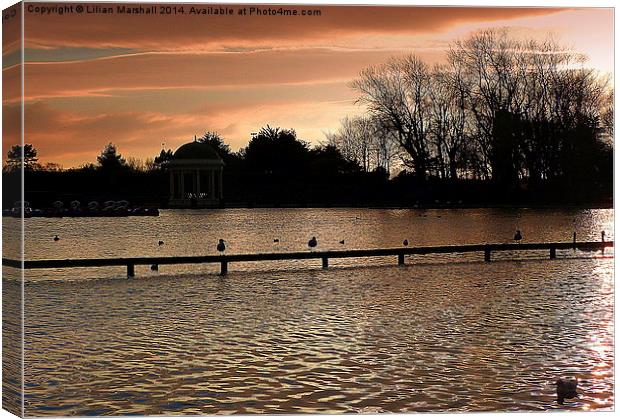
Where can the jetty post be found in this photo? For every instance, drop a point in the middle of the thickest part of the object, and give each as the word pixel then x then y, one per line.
pixel 552 252
pixel 487 253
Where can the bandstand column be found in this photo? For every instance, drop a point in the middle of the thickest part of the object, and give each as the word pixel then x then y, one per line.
pixel 212 186
pixel 182 174
pixel 220 183
pixel 197 174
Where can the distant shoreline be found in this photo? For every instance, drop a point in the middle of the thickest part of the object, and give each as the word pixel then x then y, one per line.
pixel 422 207
pixel 598 205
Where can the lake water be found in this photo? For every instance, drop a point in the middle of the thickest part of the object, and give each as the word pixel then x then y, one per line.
pixel 448 333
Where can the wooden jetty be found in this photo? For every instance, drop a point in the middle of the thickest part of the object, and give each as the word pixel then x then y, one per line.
pixel 225 259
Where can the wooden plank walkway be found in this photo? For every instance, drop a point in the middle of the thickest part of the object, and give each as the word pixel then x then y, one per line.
pixel 225 259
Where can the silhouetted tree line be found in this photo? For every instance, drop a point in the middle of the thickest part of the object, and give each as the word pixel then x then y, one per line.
pixel 276 168
pixel 510 112
pixel 112 177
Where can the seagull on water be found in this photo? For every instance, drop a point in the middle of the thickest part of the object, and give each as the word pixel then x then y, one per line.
pixel 276 240
pixel 566 389
pixel 160 243
pixel 221 246
pixel 312 242
pixel 154 267
pixel 341 241
pixel 56 238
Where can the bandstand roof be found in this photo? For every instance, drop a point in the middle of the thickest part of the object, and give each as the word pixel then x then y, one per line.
pixel 196 153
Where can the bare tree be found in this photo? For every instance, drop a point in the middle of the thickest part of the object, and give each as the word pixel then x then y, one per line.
pixel 397 95
pixel 136 164
pixel 501 109
pixel 490 60
pixel 449 123
pixel 365 142
pixel 354 140
pixel 607 116
pixel 385 147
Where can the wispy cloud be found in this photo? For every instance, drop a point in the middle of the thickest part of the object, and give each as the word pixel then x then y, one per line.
pixel 181 70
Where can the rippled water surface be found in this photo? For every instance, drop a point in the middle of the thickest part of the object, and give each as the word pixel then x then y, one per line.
pixel 439 334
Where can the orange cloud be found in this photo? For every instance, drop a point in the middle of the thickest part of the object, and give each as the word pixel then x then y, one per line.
pixel 178 32
pixel 77 138
pixel 11 126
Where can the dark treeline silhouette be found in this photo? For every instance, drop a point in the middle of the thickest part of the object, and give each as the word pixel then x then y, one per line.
pixel 276 168
pixel 504 122
pixel 112 178
pixel 515 114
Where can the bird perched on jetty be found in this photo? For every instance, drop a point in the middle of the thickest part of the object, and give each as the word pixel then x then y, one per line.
pixel 566 389
pixel 518 237
pixel 312 242
pixel 221 246
pixel 405 242
pixel 160 243
pixel 56 238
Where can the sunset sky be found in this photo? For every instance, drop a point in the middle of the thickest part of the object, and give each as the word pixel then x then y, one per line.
pixel 138 81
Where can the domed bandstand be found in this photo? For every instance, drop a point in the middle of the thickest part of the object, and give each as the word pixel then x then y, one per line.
pixel 195 176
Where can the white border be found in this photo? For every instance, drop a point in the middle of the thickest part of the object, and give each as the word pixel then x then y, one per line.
pixel 496 3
